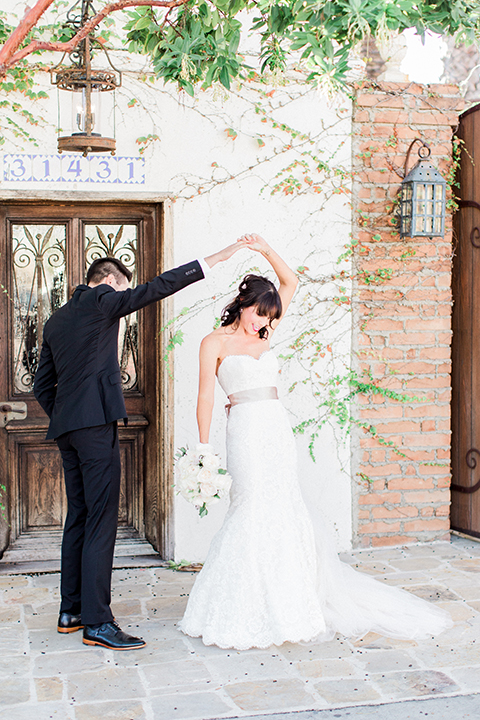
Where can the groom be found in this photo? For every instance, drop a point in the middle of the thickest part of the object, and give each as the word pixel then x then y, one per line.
pixel 78 384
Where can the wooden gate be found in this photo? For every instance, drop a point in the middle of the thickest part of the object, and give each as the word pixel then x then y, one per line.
pixel 465 510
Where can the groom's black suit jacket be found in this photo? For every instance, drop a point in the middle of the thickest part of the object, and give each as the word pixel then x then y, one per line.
pixel 78 381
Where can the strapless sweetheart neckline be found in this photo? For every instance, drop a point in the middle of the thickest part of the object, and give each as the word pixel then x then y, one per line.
pixel 245 355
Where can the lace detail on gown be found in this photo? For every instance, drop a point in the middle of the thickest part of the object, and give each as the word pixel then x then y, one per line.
pixel 269 576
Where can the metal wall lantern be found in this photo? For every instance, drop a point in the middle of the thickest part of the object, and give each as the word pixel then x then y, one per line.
pixel 87 86
pixel 422 199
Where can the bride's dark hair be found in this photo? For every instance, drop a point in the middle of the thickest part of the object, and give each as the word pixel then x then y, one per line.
pixel 258 291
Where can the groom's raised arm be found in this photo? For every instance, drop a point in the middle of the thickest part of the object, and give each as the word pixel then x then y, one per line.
pixel 117 304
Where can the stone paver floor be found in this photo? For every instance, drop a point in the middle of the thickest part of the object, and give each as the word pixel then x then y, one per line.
pixel 47 675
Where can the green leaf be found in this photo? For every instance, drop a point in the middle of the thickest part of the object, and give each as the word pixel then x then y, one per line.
pixel 234 42
pixel 143 22
pixel 224 78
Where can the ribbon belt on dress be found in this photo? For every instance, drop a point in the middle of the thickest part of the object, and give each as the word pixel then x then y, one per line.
pixel 254 395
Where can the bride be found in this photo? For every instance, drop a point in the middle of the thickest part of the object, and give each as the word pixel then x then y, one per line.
pixel 271 574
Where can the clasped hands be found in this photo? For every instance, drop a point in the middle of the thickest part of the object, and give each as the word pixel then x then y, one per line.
pixel 252 241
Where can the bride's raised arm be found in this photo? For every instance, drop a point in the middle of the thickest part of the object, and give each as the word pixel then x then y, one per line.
pixel 209 355
pixel 287 278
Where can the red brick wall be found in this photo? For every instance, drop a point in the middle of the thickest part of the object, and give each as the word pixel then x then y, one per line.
pixel 402 324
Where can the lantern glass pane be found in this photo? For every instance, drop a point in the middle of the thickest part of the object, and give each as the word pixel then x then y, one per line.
pixel 429 224
pixel 438 192
pixel 420 192
pixel 429 207
pixel 97 112
pixel 420 208
pixel 79 112
pixel 409 193
pixel 438 225
pixel 438 208
pixel 419 225
pixel 429 192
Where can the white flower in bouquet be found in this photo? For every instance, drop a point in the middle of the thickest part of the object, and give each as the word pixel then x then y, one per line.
pixel 201 480
pixel 210 462
pixel 204 502
pixel 188 484
pixel 207 478
pixel 188 462
pixel 224 489
pixel 189 469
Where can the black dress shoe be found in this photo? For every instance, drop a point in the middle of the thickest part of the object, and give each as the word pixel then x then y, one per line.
pixel 110 635
pixel 68 623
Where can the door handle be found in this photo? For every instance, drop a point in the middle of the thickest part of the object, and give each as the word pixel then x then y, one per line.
pixel 12 411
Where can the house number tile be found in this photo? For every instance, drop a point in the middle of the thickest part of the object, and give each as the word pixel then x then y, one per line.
pixel 21 167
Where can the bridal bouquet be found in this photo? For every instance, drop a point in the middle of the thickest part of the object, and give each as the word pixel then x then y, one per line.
pixel 200 479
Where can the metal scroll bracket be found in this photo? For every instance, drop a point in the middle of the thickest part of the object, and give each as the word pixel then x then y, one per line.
pixel 475 232
pixel 472 464
pixel 12 411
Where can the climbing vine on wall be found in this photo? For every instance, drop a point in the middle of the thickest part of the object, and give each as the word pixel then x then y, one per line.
pixel 302 166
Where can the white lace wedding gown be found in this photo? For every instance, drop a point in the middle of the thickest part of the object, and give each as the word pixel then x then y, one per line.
pixel 269 577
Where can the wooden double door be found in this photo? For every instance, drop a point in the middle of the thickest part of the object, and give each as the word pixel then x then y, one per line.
pixel 45 249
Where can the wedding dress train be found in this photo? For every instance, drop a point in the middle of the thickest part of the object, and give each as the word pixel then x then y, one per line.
pixel 269 577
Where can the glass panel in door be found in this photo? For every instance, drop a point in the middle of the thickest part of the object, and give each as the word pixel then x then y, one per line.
pixel 40 288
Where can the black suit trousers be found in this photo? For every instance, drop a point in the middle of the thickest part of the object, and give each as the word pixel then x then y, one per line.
pixel 91 463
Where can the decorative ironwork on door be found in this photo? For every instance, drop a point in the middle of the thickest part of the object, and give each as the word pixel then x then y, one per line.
pixel 472 464
pixel 39 280
pixel 119 241
pixel 40 288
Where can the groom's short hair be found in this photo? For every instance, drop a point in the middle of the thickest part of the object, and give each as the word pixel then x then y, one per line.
pixel 101 267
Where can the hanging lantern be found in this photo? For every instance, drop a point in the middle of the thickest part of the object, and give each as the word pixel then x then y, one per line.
pixel 87 86
pixel 422 209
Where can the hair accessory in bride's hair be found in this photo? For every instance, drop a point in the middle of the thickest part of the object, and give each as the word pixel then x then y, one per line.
pixel 201 480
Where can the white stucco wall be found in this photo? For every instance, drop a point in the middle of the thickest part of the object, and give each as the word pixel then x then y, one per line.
pixel 298 231
pixel 211 211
